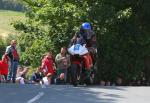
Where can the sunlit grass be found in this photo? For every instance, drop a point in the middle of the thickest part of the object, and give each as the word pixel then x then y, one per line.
pixel 6 18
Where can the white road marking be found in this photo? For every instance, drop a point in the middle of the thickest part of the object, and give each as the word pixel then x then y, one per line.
pixel 43 86
pixel 40 94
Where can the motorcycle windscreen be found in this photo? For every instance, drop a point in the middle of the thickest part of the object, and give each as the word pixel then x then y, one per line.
pixel 77 49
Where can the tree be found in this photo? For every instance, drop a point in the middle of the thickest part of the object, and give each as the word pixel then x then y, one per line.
pixel 123 35
pixel 2 47
pixel 121 27
pixel 50 21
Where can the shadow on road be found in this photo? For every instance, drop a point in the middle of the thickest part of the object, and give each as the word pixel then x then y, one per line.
pixel 58 94
pixel 69 94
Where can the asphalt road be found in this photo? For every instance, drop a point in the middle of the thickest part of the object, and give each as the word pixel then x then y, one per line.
pixel 13 93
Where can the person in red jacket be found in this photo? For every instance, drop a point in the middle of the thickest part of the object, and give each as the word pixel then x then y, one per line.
pixel 47 64
pixel 4 67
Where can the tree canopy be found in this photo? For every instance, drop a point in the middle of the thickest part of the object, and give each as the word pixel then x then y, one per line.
pixel 121 27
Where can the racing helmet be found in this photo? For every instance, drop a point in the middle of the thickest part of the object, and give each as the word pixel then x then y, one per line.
pixel 86 26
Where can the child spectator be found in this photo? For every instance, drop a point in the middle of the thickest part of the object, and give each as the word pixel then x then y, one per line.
pixel 4 67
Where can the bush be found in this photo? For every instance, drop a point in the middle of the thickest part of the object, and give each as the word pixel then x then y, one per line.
pixel 2 46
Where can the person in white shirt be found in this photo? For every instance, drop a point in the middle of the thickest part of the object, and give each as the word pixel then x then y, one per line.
pixel 20 77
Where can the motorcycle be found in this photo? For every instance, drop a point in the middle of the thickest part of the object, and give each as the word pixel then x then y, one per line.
pixel 81 64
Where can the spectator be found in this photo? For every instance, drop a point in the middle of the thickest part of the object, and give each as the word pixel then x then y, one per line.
pixel 13 61
pixel 47 64
pixel 21 72
pixel 60 79
pixel 36 76
pixel 62 62
pixel 47 79
pixel 4 68
pixel 119 81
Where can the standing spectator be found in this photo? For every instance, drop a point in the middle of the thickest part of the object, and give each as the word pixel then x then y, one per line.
pixel 13 61
pixel 4 67
pixel 63 62
pixel 47 64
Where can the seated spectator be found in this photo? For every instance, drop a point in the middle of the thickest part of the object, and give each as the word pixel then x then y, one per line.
pixel 60 79
pixel 46 80
pixel 3 68
pixel 36 76
pixel 20 76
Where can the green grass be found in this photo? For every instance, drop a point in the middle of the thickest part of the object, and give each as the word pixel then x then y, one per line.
pixel 6 18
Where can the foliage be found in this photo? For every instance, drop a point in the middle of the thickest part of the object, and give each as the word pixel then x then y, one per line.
pixel 122 29
pixel 123 35
pixel 2 47
pixel 52 23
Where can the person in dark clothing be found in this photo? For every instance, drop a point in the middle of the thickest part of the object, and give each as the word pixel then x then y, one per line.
pixel 36 76
pixel 13 59
pixel 60 79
